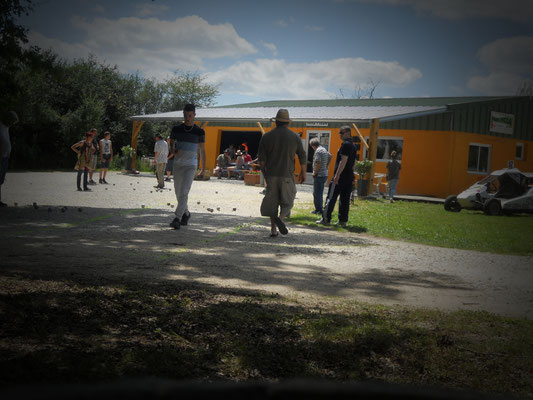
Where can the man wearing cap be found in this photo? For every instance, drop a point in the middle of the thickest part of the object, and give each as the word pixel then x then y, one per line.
pixel 223 161
pixel 9 119
pixel 160 160
pixel 277 149
pixel 341 184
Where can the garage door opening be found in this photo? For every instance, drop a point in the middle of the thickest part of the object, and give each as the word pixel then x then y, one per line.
pixel 238 139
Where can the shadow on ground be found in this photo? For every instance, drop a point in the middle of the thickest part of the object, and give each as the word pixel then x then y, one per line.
pixel 97 245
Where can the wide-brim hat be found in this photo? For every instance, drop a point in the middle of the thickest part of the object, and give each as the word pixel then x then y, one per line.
pixel 283 115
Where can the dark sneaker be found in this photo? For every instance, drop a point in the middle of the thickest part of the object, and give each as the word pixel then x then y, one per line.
pixel 104 182
pixel 343 224
pixel 167 179
pixel 87 189
pixel 91 182
pixel 80 190
pixel 100 181
pixel 185 218
pixel 175 223
pixel 323 221
pixel 281 226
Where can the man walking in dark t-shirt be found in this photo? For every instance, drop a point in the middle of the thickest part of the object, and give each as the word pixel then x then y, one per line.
pixel 277 149
pixel 341 184
pixel 185 140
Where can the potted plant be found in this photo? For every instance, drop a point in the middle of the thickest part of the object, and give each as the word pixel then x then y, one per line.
pixel 363 169
pixel 127 153
pixel 252 178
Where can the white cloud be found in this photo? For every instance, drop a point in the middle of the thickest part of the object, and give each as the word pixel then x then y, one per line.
pixel 270 46
pixel 514 10
pixel 278 79
pixel 99 9
pixel 314 28
pixel 509 63
pixel 152 46
pixel 284 23
pixel 147 9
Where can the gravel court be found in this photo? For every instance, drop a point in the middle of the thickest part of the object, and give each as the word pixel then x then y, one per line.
pixel 113 238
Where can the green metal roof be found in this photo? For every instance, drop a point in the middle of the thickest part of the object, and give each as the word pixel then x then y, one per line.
pixel 405 102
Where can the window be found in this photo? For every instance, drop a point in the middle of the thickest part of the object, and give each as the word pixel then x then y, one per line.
pixel 519 154
pixel 386 145
pixel 479 158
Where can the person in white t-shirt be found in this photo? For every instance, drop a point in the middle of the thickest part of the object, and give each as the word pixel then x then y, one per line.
pixel 160 160
pixel 9 119
pixel 106 155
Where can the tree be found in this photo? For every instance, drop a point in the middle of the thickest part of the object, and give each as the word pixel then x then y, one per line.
pixel 11 52
pixel 526 89
pixel 187 87
pixel 360 92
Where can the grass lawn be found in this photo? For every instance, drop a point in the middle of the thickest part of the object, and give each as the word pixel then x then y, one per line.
pixel 54 332
pixel 431 224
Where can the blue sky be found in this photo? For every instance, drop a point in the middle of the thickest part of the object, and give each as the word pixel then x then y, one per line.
pixel 303 49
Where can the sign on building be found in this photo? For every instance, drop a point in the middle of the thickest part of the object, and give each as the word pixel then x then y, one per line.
pixel 501 122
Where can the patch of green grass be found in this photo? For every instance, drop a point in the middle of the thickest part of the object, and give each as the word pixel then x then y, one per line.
pixel 62 332
pixel 430 224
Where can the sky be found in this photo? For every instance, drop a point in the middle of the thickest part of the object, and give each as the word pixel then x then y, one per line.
pixel 302 49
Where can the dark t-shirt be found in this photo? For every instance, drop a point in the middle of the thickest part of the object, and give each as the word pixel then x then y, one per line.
pixel 393 170
pixel 347 149
pixel 186 139
pixel 277 149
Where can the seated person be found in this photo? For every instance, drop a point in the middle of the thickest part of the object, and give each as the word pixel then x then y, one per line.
pixel 223 161
pixel 237 170
pixel 247 160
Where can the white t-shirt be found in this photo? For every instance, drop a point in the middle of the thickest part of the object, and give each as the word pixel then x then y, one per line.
pixel 106 146
pixel 161 148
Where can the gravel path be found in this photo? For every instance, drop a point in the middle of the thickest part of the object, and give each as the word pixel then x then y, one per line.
pixel 120 232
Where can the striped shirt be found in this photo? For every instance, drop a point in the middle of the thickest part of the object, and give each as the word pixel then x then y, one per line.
pixel 323 157
pixel 187 139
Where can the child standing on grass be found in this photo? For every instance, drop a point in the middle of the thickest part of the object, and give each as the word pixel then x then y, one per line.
pixel 85 151
pixel 393 174
pixel 106 156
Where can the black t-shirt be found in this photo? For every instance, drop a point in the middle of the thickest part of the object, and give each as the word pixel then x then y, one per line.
pixel 347 149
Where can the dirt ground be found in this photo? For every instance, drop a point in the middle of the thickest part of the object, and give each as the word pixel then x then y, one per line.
pixel 119 233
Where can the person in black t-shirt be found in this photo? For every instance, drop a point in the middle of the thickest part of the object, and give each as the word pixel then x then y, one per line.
pixel 341 184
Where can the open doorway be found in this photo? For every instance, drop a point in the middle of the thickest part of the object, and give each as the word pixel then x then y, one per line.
pixel 239 139
pixel 324 138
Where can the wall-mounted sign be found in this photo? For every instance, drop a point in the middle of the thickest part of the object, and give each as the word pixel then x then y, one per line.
pixel 316 124
pixel 501 123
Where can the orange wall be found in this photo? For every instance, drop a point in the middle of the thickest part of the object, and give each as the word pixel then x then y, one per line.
pixel 502 150
pixel 434 163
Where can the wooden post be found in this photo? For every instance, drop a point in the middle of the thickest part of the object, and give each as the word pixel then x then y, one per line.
pixel 134 134
pixel 261 127
pixel 373 149
pixel 360 136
